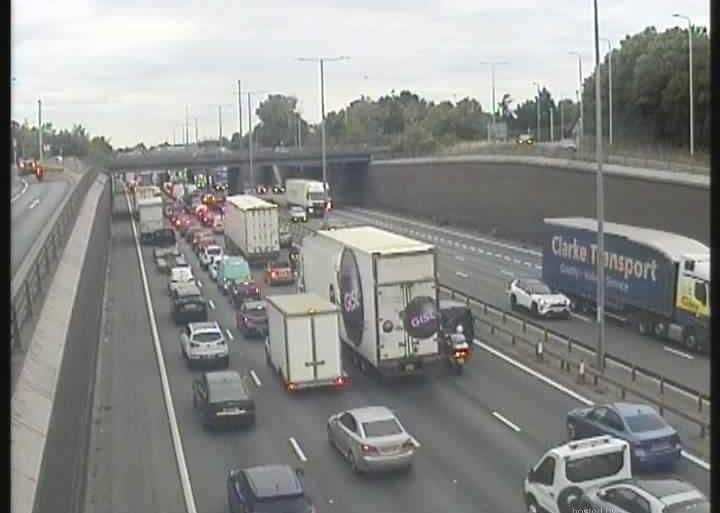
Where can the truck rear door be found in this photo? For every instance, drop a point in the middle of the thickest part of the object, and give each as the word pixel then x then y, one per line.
pixel 326 346
pixel 262 233
pixel 299 347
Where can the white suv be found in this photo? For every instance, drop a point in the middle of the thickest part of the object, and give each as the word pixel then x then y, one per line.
pixel 535 296
pixel 180 275
pixel 557 482
pixel 204 342
pixel 211 252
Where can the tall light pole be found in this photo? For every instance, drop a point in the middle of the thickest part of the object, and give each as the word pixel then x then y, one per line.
pixel 40 131
pixel 322 61
pixel 220 137
pixel 492 78
pixel 600 255
pixel 610 102
pixel 197 140
pixel 250 137
pixel 580 103
pixel 692 120
pixel 239 104
pixel 187 130
pixel 537 135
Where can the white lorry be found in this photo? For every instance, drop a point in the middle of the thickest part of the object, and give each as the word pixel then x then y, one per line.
pixel 150 217
pixel 303 343
pixel 251 228
pixel 308 194
pixel 386 287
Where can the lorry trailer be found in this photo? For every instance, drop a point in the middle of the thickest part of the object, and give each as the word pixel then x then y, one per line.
pixel 251 228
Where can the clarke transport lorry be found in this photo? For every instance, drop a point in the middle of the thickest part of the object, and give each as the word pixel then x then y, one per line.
pixel 308 194
pixel 657 282
pixel 386 288
pixel 251 228
pixel 303 343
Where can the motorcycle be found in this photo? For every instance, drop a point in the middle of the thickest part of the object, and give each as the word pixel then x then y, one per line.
pixel 457 350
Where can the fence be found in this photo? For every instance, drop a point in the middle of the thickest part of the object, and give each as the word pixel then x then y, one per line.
pixel 31 282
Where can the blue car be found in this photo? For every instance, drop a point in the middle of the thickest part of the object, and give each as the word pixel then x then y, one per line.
pixel 653 442
pixel 267 488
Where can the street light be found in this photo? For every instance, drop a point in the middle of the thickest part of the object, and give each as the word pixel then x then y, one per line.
pixel 580 103
pixel 250 136
pixel 610 103
pixel 692 127
pixel 537 134
pixel 322 61
pixel 492 74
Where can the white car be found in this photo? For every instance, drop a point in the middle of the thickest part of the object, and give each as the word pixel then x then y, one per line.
pixel 204 342
pixel 558 481
pixel 298 214
pixel 654 496
pixel 210 252
pixel 535 296
pixel 213 270
pixel 180 275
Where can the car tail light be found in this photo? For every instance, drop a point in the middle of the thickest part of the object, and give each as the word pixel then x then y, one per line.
pixel 291 387
pixel 461 353
pixel 342 381
pixel 273 274
pixel 408 444
pixel 369 449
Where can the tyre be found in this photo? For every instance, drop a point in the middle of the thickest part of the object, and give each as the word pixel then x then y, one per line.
pixel 532 505
pixel 690 340
pixel 571 431
pixel 513 302
pixel 353 462
pixel 642 326
pixel 534 310
pixel 568 499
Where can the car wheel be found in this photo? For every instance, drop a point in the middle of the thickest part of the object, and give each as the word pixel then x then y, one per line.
pixel 534 309
pixel 532 505
pixel 568 499
pixel 642 326
pixel 353 462
pixel 571 432
pixel 513 302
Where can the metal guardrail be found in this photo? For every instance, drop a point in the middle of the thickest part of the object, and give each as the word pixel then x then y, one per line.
pixel 28 291
pixel 568 362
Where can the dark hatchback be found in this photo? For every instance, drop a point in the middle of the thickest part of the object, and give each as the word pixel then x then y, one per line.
pixel 243 291
pixel 252 319
pixel 267 489
pixel 222 399
pixel 189 306
pixel 454 314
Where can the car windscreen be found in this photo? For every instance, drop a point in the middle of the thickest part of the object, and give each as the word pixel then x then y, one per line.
pixel 297 504
pixel 594 467
pixel 644 422
pixel 255 306
pixel 538 288
pixel 316 196
pixel 700 505
pixel 383 427
pixel 207 336
pixel 236 271
pixel 183 274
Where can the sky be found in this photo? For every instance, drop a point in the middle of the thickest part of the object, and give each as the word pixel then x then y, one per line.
pixel 128 71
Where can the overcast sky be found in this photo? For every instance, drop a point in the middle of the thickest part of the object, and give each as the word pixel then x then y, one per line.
pixel 126 70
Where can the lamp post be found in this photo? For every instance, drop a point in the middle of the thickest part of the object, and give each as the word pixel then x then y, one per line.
pixel 580 104
pixel 250 136
pixel 537 135
pixel 610 102
pixel 492 78
pixel 692 124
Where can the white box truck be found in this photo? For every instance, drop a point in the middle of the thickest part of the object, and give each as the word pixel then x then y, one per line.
pixel 308 194
pixel 150 217
pixel 303 343
pixel 251 228
pixel 386 287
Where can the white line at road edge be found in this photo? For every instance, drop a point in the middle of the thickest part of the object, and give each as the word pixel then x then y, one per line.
pixel 298 451
pixel 17 196
pixel 34 203
pixel 255 378
pixel 229 334
pixel 462 275
pixel 212 305
pixel 506 422
pixel 694 459
pixel 679 353
pixel 172 420
pixel 458 257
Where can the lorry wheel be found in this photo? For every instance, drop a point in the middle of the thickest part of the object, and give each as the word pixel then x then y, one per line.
pixel 660 329
pixel 513 302
pixel 642 326
pixel 571 432
pixel 568 499
pixel 534 309
pixel 690 340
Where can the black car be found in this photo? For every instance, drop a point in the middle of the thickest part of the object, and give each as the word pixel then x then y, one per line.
pixel 165 237
pixel 221 398
pixel 189 306
pixel 268 488
pixel 454 314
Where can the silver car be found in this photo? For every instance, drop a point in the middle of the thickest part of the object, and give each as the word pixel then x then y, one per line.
pixel 654 495
pixel 372 439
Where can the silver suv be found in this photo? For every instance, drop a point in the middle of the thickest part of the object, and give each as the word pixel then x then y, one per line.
pixel 204 343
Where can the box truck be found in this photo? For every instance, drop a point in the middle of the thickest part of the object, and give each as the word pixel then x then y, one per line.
pixel 140 192
pixel 150 217
pixel 386 287
pixel 303 343
pixel 251 228
pixel 308 194
pixel 657 282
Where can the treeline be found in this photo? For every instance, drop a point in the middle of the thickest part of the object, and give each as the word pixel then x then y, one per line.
pixel 69 143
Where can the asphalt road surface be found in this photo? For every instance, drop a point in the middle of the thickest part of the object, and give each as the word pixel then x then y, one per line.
pixel 468 460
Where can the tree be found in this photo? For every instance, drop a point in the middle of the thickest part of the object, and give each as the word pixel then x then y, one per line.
pixel 278 120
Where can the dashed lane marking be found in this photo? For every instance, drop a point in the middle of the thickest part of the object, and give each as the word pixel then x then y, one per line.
pixel 255 378
pixel 505 421
pixel 212 305
pixel 298 451
pixel 461 274
pixel 678 353
pixel 229 334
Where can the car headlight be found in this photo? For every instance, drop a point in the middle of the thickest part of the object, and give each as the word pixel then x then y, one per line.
pixel 459 329
pixel 639 452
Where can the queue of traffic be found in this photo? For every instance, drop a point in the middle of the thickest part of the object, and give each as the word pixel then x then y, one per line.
pixel 370 297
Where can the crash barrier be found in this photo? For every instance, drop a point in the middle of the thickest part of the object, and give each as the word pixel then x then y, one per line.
pixel 32 280
pixel 570 363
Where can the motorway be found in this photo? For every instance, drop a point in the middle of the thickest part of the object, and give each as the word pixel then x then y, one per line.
pixel 32 207
pixel 468 460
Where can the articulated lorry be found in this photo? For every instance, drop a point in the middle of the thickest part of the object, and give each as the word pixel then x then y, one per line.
pixel 308 194
pixel 251 228
pixel 386 287
pixel 656 282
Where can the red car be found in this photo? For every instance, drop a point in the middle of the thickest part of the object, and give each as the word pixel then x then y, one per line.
pixel 279 272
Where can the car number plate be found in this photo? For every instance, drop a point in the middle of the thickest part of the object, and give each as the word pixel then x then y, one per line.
pixel 231 411
pixel 461 360
pixel 410 367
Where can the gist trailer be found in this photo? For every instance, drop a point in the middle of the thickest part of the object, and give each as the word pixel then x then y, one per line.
pixel 251 228
pixel 658 282
pixel 386 287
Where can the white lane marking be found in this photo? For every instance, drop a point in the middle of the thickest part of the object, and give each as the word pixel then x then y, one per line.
pixel 464 246
pixel 503 271
pixel 22 191
pixel 461 274
pixel 169 406
pixel 34 203
pixel 498 255
pixel 199 283
pixel 506 422
pixel 582 318
pixel 298 451
pixel 415 442
pixel 458 257
pixel 694 459
pixel 516 261
pixel 538 267
pixel 212 305
pixel 481 251
pixel 528 264
pixel 255 378
pixel 473 248
pixel 229 334
pixel 678 353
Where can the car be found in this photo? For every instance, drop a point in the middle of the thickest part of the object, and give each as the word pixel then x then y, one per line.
pixel 179 275
pixel 653 442
pixel 210 252
pixel 198 236
pixel 243 291
pixel 297 215
pixel 207 219
pixel 204 343
pixel 164 237
pixel 555 484
pixel 261 189
pixel 231 270
pixel 271 488
pixel 189 305
pixel 166 251
pixel 372 439
pixel 221 398
pixel 279 272
pixel 189 288
pixel 218 226
pixel 213 268
pixel 646 496
pixel 568 144
pixel 252 319
pixel 526 139
pixel 205 241
pixel 278 189
pixel 183 223
pixel 535 296
pixel 285 237
pixel 191 231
